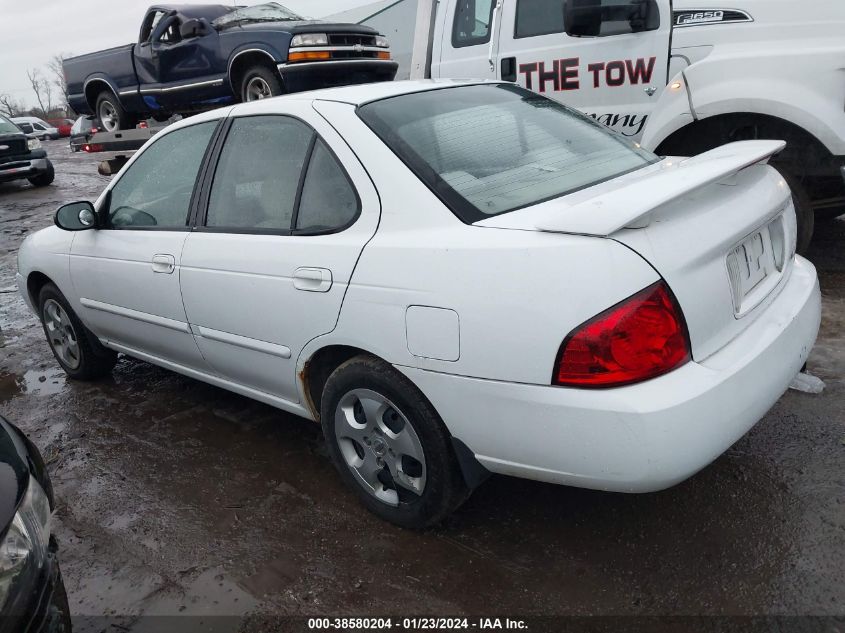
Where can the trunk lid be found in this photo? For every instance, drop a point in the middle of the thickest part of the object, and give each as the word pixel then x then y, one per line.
pixel 719 228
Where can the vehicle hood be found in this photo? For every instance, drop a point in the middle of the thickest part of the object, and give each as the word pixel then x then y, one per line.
pixel 12 137
pixel 307 26
pixel 14 473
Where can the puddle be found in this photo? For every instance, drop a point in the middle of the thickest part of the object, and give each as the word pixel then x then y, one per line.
pixel 36 382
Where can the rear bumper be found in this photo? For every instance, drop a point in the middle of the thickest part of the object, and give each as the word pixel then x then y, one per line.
pixel 302 76
pixel 641 438
pixel 23 168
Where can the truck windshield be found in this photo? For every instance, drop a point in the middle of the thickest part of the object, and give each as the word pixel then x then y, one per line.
pixel 7 127
pixel 270 12
pixel 489 149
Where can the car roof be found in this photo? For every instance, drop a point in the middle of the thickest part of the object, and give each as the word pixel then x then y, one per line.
pixel 191 11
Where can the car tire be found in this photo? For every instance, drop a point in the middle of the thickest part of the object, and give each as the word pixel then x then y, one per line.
pixel 42 180
pixel 110 113
pixel 75 347
pixel 260 82
pixel 804 213
pixel 379 428
pixel 829 215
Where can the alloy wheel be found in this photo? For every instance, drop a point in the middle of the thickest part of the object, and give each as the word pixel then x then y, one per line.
pixel 108 116
pixel 380 447
pixel 257 88
pixel 61 335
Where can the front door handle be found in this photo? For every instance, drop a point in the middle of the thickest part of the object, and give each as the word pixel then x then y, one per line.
pixel 312 279
pixel 163 263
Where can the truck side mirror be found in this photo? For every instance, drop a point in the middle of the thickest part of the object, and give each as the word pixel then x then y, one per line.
pixel 193 28
pixel 76 216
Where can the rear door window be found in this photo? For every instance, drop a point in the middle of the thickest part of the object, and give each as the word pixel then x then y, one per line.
pixel 538 17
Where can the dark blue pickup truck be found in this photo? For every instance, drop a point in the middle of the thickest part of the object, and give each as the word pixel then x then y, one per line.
pixel 190 58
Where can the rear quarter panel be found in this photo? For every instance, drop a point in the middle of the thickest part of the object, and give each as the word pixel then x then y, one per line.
pixel 517 293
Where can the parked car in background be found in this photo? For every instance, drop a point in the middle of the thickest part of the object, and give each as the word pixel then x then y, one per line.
pixel 81 131
pixel 191 58
pixel 22 156
pixel 32 593
pixel 62 125
pixel 40 128
pixel 454 278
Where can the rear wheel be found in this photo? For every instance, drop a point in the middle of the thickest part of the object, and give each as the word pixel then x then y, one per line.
pixel 389 445
pixel 260 82
pixel 111 114
pixel 78 351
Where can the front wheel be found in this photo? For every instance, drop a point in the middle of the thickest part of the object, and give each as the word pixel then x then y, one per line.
pixel 42 180
pixel 804 213
pixel 260 82
pixel 389 445
pixel 76 349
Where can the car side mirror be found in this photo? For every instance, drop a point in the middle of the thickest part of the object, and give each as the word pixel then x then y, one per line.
pixel 193 28
pixel 76 216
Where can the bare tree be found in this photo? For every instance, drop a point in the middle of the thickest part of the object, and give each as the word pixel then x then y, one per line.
pixel 57 76
pixel 42 89
pixel 9 105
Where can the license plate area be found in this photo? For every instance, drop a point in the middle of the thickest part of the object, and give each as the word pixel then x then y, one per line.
pixel 755 266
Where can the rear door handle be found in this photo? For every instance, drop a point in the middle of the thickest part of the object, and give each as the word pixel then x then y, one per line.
pixel 312 279
pixel 163 263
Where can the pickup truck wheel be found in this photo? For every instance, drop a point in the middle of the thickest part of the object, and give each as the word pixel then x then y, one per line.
pixel 260 82
pixel 42 180
pixel 804 213
pixel 111 114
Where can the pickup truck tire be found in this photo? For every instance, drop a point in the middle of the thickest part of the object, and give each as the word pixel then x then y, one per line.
pixel 42 180
pixel 111 114
pixel 804 213
pixel 260 82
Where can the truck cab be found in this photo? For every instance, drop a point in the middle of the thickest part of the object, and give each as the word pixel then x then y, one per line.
pixel 678 77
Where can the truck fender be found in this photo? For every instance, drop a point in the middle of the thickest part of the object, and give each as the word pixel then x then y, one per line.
pixel 768 83
pixel 247 54
pixel 96 83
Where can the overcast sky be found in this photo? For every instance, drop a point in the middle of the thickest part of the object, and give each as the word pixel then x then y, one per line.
pixel 35 30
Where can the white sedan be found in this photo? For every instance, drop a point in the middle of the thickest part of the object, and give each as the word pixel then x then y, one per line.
pixel 454 278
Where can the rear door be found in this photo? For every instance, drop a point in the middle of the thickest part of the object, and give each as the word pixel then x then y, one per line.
pixel 287 213
pixel 127 273
pixel 468 40
pixel 614 69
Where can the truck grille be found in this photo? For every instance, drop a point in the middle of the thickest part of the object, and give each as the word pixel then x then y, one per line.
pixel 351 39
pixel 14 146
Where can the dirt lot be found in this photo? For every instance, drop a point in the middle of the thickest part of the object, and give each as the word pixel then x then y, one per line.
pixel 176 497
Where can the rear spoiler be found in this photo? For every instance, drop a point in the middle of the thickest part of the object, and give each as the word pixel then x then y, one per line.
pixel 629 205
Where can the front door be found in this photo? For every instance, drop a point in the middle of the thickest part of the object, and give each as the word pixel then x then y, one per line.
pixel 127 273
pixel 289 211
pixel 467 42
pixel 610 62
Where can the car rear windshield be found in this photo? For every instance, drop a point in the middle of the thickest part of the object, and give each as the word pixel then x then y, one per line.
pixel 489 149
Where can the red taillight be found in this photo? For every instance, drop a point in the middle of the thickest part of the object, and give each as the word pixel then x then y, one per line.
pixel 643 337
pixel 92 147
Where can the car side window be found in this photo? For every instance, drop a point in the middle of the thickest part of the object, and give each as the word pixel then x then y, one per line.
pixel 538 17
pixel 156 190
pixel 328 199
pixel 258 174
pixel 472 22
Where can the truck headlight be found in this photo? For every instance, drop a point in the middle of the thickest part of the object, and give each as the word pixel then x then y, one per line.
pixel 23 550
pixel 310 39
pixel 381 41
pixel 33 143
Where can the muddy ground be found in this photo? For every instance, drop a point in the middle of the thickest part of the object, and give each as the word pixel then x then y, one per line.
pixel 175 497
